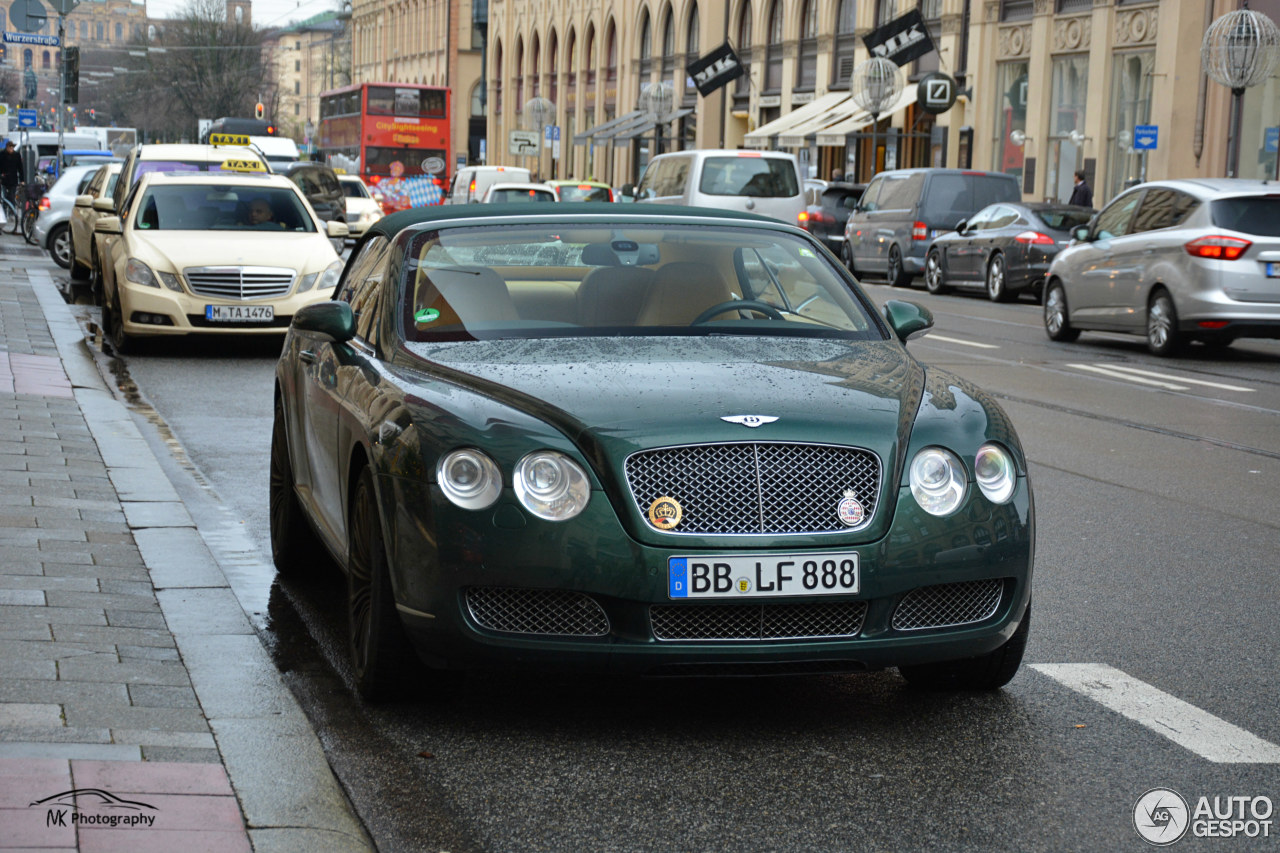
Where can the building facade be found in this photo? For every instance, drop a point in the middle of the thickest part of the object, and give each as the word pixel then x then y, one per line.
pixel 309 57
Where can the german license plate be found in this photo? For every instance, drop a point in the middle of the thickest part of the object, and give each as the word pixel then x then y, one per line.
pixel 758 575
pixel 1273 269
pixel 239 313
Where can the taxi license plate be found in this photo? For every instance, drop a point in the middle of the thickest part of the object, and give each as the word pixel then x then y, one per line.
pixel 757 575
pixel 1273 269
pixel 239 313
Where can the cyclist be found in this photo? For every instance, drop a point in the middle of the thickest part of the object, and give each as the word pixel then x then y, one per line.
pixel 10 171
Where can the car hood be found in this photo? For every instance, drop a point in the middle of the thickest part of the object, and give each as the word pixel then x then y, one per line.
pixel 182 249
pixel 614 396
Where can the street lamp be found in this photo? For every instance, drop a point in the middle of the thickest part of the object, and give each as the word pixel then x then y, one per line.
pixel 875 85
pixel 1239 51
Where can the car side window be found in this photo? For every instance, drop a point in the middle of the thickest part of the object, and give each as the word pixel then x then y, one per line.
pixel 1115 220
pixel 871 195
pixel 1002 217
pixel 363 288
pixel 900 192
pixel 1163 208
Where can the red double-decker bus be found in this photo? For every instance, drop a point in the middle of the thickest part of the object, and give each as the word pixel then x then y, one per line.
pixel 394 135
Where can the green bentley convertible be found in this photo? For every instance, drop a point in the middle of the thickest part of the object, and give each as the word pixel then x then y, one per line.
pixel 654 440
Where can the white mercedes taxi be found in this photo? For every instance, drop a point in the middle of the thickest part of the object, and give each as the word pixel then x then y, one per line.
pixel 229 252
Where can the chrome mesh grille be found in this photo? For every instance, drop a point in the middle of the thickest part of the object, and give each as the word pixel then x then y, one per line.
pixel 756 487
pixel 757 621
pixel 546 612
pixel 948 604
pixel 239 282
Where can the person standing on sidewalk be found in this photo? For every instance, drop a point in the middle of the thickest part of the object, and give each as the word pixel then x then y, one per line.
pixel 10 170
pixel 1082 195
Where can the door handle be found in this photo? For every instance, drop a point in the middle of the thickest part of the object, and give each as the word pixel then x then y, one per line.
pixel 307 356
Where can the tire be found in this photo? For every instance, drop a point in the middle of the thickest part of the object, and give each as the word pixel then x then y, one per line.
pixel 60 246
pixel 95 278
pixel 997 282
pixel 934 281
pixel 987 672
pixel 121 341
pixel 846 255
pixel 382 662
pixel 14 223
pixel 29 227
pixel 295 548
pixel 1163 338
pixel 1056 323
pixel 897 276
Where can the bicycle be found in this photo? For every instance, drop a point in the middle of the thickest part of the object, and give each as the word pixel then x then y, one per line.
pixel 28 203
pixel 12 218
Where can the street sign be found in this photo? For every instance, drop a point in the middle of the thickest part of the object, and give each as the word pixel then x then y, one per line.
pixel 1146 137
pixel 550 135
pixel 26 118
pixel 523 142
pixel 936 93
pixel 27 15
pixel 1271 140
pixel 28 38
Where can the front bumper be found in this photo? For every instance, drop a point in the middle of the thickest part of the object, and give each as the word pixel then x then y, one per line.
pixel 151 312
pixel 584 596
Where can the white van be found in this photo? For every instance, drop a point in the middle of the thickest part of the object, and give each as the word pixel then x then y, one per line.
pixel 763 182
pixel 470 182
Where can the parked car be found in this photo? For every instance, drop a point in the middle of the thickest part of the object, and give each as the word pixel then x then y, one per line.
pixel 763 182
pixel 93 203
pixel 470 182
pixel 648 468
pixel 581 190
pixel 53 225
pixel 508 193
pixel 319 183
pixel 903 210
pixel 1176 261
pixel 1004 248
pixel 827 213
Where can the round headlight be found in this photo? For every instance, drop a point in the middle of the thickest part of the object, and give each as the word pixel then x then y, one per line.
pixel 937 480
pixel 551 485
pixel 469 479
pixel 993 469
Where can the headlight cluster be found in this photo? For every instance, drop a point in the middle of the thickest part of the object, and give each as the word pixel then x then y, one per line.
pixel 137 272
pixel 328 278
pixel 938 479
pixel 548 484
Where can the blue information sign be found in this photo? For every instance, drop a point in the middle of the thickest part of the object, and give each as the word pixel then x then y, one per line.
pixel 1145 137
pixel 27 118
pixel 1271 140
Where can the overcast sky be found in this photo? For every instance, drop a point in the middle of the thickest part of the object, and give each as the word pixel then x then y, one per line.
pixel 266 13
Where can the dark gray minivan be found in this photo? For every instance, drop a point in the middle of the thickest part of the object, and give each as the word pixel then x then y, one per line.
pixel 904 209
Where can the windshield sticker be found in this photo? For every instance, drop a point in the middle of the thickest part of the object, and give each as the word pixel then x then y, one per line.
pixel 426 315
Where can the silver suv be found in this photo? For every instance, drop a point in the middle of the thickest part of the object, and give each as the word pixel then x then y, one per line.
pixel 1175 260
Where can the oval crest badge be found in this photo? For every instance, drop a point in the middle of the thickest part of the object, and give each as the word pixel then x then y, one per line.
pixel 850 510
pixel 665 513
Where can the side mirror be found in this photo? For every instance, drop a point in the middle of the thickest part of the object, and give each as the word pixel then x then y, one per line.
pixel 103 204
pixel 84 201
pixel 334 320
pixel 1081 232
pixel 960 226
pixel 107 225
pixel 907 319
pixel 336 229
pixel 629 190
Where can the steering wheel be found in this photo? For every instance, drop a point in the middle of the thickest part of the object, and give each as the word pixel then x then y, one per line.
pixel 739 305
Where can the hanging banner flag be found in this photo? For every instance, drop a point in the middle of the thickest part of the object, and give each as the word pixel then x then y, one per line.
pixel 901 40
pixel 717 68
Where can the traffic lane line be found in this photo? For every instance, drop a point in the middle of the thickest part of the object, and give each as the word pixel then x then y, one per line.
pixel 1151 377
pixel 1152 373
pixel 1190 727
pixel 1111 374
pixel 961 342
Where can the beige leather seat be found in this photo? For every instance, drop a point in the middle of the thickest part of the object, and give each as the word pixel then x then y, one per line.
pixel 681 291
pixel 464 295
pixel 613 296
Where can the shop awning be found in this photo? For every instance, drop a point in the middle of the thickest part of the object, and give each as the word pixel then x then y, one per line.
pixel 797 136
pixel 836 134
pixel 634 119
pixel 647 126
pixel 761 136
pixel 604 131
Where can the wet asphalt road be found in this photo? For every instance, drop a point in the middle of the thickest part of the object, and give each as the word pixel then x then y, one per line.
pixel 1156 556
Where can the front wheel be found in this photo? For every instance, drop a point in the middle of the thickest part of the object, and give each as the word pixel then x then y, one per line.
pixel 1056 324
pixel 846 255
pixel 997 285
pixel 934 282
pixel 60 246
pixel 898 277
pixel 986 672
pixel 29 226
pixel 1162 326
pixel 121 341
pixel 295 549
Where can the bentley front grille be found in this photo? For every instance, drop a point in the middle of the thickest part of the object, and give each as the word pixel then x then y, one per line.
pixel 239 282
pixel 948 605
pixel 815 620
pixel 542 612
pixel 757 487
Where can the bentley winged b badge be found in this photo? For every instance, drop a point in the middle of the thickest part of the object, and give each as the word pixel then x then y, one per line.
pixel 752 421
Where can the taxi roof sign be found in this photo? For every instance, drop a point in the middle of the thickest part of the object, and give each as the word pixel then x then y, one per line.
pixel 229 139
pixel 243 166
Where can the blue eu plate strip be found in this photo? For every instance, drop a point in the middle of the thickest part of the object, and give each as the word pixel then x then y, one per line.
pixel 678 577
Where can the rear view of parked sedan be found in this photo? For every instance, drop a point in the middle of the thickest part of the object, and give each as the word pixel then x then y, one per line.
pixel 1004 249
pixel 1176 261
pixel 828 210
pixel 514 193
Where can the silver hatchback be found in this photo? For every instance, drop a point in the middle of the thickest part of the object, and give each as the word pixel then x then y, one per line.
pixel 1176 261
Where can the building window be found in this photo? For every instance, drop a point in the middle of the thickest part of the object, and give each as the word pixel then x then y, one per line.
pixel 742 86
pixel 668 45
pixel 773 50
pixel 477 100
pixel 297 109
pixel 1017 10
pixel 1131 85
pixel 44 62
pixel 98 29
pixel 297 87
pixel 886 11
pixel 931 11
pixel 553 84
pixel 497 81
pixel 1011 88
pixel 845 44
pixel 1066 124
pixel 297 65
pixel 807 76
pixel 518 70
pixel 1065 6
pixel 692 51
pixel 646 49
pixel 119 32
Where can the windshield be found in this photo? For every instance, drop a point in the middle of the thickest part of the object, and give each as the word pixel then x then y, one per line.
pixel 503 196
pixel 1256 215
pixel 353 189
pixel 547 280
pixel 1064 219
pixel 584 192
pixel 767 177
pixel 199 207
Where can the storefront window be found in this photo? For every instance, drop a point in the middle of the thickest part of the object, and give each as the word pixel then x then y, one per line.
pixel 1066 124
pixel 1130 107
pixel 1260 131
pixel 1011 118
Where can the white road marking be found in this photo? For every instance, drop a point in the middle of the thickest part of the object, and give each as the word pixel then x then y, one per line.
pixel 1166 715
pixel 1221 385
pixel 963 343
pixel 1111 374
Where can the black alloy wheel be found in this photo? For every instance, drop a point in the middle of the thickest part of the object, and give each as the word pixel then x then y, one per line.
pixel 934 281
pixel 997 283
pixel 897 276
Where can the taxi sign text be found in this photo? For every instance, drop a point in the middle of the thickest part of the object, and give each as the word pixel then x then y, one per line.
pixel 228 139
pixel 243 166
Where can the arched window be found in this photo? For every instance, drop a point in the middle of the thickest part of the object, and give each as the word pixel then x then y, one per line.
pixel 120 30
pixel 692 50
pixel 668 43
pixel 646 48
pixel 27 58
pixel 535 67
pixel 477 100
pixel 773 49
pixel 44 62
pixel 553 57
pixel 571 62
pixel 98 29
pixel 517 71
pixel 807 72
pixel 846 41
pixel 611 68
pixel 498 74
pixel 84 29
pixel 742 86
pixel 589 60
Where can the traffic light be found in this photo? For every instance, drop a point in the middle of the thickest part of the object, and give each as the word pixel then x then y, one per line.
pixel 259 110
pixel 71 70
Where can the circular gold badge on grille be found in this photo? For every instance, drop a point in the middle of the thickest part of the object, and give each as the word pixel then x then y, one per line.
pixel 665 513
